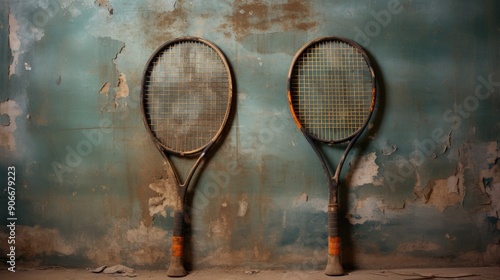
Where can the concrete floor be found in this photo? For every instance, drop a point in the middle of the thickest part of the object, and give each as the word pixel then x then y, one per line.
pixel 473 273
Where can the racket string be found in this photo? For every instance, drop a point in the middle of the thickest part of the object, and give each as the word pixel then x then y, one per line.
pixel 331 90
pixel 187 95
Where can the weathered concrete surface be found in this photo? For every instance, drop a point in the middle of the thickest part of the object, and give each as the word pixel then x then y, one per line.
pixel 422 187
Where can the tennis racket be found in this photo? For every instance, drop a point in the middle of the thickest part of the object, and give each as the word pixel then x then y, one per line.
pixel 186 101
pixel 331 93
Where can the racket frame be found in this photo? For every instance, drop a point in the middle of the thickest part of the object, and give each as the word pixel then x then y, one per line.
pixel 176 267
pixel 334 266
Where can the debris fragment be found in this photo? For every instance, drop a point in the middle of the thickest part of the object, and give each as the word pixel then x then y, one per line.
pixel 118 269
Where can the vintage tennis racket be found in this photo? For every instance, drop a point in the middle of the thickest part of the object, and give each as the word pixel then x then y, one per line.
pixel 186 101
pixel 331 93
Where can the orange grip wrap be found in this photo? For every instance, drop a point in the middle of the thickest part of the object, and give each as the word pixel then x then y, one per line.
pixel 334 246
pixel 177 246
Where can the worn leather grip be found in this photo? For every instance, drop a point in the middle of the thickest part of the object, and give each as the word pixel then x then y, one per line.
pixel 177 246
pixel 178 223
pixel 333 230
pixel 177 239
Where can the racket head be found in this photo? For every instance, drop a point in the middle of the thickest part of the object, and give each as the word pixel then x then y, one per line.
pixel 331 89
pixel 186 95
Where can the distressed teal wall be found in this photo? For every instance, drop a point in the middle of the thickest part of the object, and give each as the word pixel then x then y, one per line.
pixel 421 189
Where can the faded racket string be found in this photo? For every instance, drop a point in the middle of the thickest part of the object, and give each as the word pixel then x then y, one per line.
pixel 331 90
pixel 186 96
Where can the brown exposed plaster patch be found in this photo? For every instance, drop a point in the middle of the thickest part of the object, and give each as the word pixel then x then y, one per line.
pixel 447 192
pixel 259 15
pixel 363 170
pixel 166 196
pixel 11 110
pixel 14 43
pixel 422 194
pixel 151 171
pixel 121 89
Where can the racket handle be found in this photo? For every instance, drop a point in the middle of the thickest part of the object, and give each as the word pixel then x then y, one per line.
pixel 176 268
pixel 333 266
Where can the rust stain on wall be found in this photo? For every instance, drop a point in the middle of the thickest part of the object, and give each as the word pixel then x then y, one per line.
pixel 160 25
pixel 258 15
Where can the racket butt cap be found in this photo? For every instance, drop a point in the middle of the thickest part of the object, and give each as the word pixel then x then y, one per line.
pixel 176 269
pixel 333 267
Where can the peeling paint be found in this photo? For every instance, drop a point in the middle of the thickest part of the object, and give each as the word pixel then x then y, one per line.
pixel 12 111
pixel 447 143
pixel 243 205
pixel 447 192
pixel 388 150
pixel 121 89
pixel 300 200
pixel 105 4
pixel 489 180
pixel 166 188
pixel 369 209
pixel 363 170
pixel 14 44
pixel 245 223
pixel 105 88
pixel 145 241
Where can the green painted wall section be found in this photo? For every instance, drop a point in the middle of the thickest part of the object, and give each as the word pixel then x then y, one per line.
pixel 422 187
